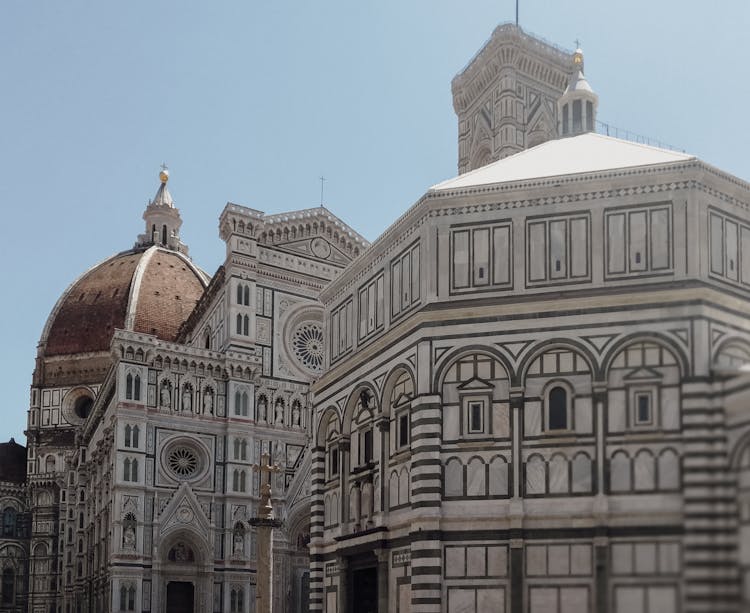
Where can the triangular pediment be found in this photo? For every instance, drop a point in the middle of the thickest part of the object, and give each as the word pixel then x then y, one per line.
pixel 475 384
pixel 316 248
pixel 643 374
pixel 182 511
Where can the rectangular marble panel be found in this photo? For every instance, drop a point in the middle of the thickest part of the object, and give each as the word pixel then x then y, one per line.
pixel 584 414
pixel 501 255
pixel 660 239
pixel 616 410
pixel 532 418
pixel 579 247
pixel 745 255
pixel 476 564
pixel 558 239
pixel 717 244
pixel 670 408
pixel 460 259
pixel 455 562
pixel 731 265
pixel 537 251
pixel 637 240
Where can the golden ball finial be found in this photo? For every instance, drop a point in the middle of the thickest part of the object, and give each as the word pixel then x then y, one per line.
pixel 578 57
pixel 164 174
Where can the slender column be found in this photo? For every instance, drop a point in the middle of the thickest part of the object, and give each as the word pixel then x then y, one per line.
pixel 343 591
pixel 382 556
pixel 265 523
pixel 317 517
pixel 426 491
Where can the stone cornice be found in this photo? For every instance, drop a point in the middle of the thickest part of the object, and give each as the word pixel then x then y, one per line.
pixel 526 194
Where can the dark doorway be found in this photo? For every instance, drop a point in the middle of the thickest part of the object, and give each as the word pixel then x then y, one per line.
pixel 180 597
pixel 364 593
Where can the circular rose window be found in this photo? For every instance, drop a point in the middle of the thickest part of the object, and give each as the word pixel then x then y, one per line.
pixel 307 343
pixel 183 462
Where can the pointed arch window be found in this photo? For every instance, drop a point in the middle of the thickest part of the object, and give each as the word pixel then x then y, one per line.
pixel 130 470
pixel 246 295
pixel 239 293
pixel 9 522
pixel 246 326
pixel 239 323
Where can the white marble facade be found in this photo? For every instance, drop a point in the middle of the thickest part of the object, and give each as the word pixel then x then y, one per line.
pixel 536 393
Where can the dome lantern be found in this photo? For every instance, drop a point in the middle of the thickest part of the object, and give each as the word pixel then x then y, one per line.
pixel 577 107
pixel 162 219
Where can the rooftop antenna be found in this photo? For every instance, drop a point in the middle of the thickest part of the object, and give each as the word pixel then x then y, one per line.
pixel 322 180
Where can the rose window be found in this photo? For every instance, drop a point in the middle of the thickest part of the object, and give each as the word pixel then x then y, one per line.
pixel 183 462
pixel 307 343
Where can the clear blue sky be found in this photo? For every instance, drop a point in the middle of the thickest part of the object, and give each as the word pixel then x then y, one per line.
pixel 251 102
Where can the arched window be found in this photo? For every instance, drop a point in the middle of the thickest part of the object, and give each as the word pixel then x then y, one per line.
pixel 237 403
pixel 557 413
pixel 8 586
pixel 239 293
pixel 137 387
pixel 246 325
pixel 246 295
pixel 243 450
pixel 134 470
pixel 239 323
pixel 236 449
pixel 236 480
pixel 131 598
pixel 126 470
pixel 135 436
pixel 242 481
pixel 128 435
pixel 129 387
pixel 49 464
pixel 164 234
pixel 9 522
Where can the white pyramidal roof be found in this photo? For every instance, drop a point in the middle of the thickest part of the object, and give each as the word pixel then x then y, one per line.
pixel 584 153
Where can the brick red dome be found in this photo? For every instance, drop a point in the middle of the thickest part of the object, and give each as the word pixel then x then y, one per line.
pixel 150 290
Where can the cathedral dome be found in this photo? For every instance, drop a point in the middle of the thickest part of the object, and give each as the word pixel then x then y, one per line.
pixel 151 290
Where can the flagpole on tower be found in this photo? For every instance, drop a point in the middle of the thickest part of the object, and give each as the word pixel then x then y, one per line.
pixel 516 13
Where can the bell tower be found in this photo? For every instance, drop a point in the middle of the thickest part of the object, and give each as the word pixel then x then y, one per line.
pixel 506 96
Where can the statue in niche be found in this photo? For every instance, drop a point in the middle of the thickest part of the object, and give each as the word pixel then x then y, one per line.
pixel 187 401
pixel 279 412
pixel 208 402
pixel 166 397
pixel 262 409
pixel 295 413
pixel 238 549
pixel 128 537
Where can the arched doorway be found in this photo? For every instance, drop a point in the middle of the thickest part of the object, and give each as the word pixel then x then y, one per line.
pixel 180 597
pixel 183 575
